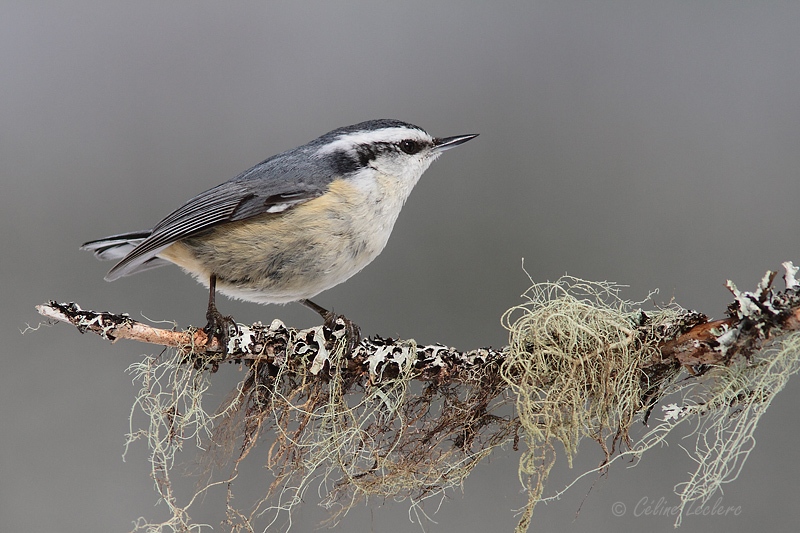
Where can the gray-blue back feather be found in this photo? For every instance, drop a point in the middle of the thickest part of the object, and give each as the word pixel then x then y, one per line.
pixel 274 185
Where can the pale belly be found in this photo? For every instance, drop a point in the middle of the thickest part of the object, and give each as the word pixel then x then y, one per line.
pixel 285 257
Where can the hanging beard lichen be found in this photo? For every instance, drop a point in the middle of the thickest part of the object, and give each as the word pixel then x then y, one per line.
pixel 573 364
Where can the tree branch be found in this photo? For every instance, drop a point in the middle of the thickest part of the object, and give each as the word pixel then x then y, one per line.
pixel 691 341
pixel 581 362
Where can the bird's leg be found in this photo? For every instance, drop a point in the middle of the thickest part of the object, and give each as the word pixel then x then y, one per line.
pixel 218 327
pixel 351 329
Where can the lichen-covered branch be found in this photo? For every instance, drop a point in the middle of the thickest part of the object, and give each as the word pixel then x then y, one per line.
pixel 278 344
pixel 687 338
pixel 396 420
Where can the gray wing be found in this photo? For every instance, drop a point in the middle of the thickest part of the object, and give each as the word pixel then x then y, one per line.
pixel 272 186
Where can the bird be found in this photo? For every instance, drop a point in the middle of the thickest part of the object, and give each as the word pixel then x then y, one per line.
pixel 292 226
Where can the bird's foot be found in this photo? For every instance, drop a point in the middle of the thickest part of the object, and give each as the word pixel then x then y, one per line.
pixel 350 330
pixel 338 324
pixel 219 329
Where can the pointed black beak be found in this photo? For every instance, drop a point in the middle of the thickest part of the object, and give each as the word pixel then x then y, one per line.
pixel 440 145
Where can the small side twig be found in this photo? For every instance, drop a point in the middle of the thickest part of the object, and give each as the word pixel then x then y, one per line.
pixel 115 326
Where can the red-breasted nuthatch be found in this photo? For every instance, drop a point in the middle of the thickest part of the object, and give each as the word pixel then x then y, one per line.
pixel 292 226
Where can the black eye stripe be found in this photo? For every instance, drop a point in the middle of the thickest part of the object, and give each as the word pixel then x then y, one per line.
pixel 362 154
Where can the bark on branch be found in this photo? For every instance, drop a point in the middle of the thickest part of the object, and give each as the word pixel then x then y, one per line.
pixel 692 341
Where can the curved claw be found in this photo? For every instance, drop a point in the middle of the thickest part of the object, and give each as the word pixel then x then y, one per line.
pixel 351 329
pixel 219 329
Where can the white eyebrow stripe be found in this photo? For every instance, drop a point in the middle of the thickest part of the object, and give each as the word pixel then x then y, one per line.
pixel 348 141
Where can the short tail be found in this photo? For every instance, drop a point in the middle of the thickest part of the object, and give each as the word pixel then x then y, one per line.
pixel 116 247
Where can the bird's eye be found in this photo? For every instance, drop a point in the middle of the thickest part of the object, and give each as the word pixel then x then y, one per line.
pixel 410 146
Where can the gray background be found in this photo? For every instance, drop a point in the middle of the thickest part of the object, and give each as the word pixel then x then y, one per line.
pixel 651 143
